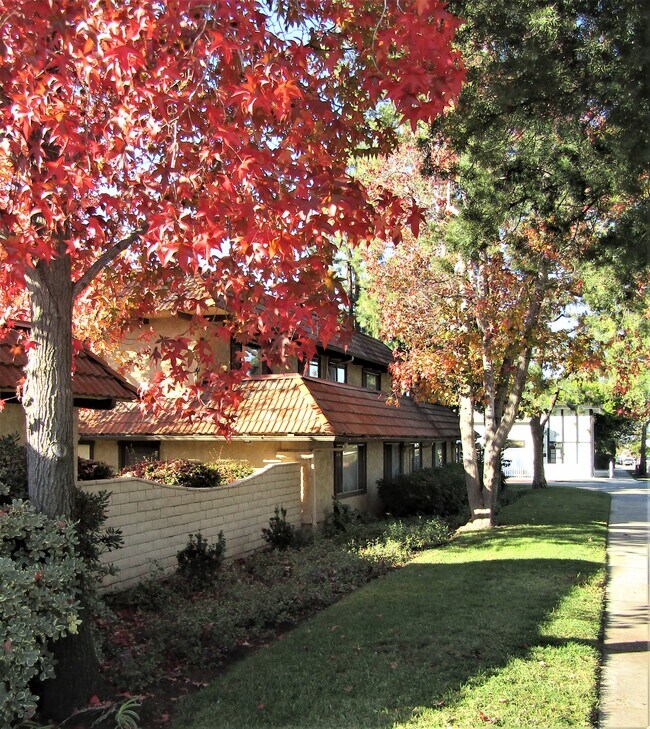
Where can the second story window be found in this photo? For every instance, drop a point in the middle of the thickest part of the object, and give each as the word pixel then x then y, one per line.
pixel 371 380
pixel 252 359
pixel 313 367
pixel 336 372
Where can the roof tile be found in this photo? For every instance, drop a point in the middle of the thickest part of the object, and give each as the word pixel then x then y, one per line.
pixel 278 405
pixel 92 377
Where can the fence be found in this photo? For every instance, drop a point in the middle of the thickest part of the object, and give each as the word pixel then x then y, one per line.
pixel 156 519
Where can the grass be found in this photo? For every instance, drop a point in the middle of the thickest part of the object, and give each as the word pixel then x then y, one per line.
pixel 500 627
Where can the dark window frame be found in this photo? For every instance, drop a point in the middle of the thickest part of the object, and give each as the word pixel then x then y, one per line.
pixel 91 447
pixel 362 470
pixel 365 373
pixel 123 446
pixel 338 366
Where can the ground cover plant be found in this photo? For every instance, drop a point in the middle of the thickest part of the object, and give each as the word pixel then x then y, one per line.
pixel 180 630
pixel 423 647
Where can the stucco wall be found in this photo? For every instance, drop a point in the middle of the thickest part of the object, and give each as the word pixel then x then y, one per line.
pixel 12 420
pixel 156 519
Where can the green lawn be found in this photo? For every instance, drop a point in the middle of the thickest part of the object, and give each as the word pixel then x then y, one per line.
pixel 501 626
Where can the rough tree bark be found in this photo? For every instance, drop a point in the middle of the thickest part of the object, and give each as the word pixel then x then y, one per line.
pixel 643 462
pixel 478 511
pixel 49 409
pixel 537 432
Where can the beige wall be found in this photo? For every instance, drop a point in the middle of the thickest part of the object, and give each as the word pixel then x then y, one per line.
pixel 156 519
pixel 140 367
pixel 12 420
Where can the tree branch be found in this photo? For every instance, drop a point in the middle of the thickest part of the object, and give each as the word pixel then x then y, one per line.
pixel 107 257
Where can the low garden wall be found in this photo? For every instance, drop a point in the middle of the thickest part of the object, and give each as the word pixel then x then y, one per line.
pixel 156 519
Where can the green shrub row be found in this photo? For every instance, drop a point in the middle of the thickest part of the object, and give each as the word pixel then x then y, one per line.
pixel 170 621
pixel 437 491
pixel 190 474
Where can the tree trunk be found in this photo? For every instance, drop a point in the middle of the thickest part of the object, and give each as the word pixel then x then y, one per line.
pixel 491 475
pixel 643 462
pixel 49 411
pixel 470 462
pixel 47 396
pixel 537 431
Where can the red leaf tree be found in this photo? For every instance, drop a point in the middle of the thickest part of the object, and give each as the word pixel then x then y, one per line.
pixel 144 143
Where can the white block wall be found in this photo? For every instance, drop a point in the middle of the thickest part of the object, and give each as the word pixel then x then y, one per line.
pixel 156 519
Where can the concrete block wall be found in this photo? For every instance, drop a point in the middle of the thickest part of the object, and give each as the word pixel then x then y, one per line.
pixel 156 519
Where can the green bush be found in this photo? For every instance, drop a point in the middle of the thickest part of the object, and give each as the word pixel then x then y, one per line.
pixel 13 469
pixel 344 520
pixel 252 597
pixel 232 470
pixel 280 533
pixel 40 574
pixel 190 474
pixel 198 561
pixel 93 470
pixel 438 491
pixel 86 540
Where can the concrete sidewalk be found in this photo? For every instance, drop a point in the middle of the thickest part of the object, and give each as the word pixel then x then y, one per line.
pixel 626 668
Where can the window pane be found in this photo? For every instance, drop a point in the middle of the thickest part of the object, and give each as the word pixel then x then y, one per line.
pixel 350 464
pixel 313 368
pixel 336 373
pixel 135 451
pixel 407 459
pixel 371 380
pixel 252 359
pixel 395 460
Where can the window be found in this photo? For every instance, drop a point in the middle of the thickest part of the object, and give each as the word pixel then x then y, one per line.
pixel 134 451
pixel 407 458
pixel 86 449
pixel 350 469
pixel 313 367
pixel 417 456
pixel 439 454
pixel 392 463
pixel 251 356
pixel 371 380
pixel 336 372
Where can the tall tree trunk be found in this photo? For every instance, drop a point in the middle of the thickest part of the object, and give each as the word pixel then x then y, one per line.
pixel 643 462
pixel 470 461
pixel 49 410
pixel 47 397
pixel 537 432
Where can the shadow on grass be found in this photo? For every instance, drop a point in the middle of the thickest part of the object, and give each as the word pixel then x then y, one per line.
pixel 412 639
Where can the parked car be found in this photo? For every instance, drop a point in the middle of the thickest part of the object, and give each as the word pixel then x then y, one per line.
pixel 629 462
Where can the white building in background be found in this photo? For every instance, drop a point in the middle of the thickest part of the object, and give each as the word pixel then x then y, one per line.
pixel 568 445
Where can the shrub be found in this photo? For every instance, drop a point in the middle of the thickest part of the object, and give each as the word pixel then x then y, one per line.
pixel 438 491
pixel 93 470
pixel 177 472
pixel 280 534
pixel 198 562
pixel 40 576
pixel 344 520
pixel 190 474
pixel 13 469
pixel 232 470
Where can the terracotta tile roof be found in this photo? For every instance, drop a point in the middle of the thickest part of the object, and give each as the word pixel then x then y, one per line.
pixel 445 419
pixel 363 347
pixel 92 379
pixel 279 405
pixel 357 412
